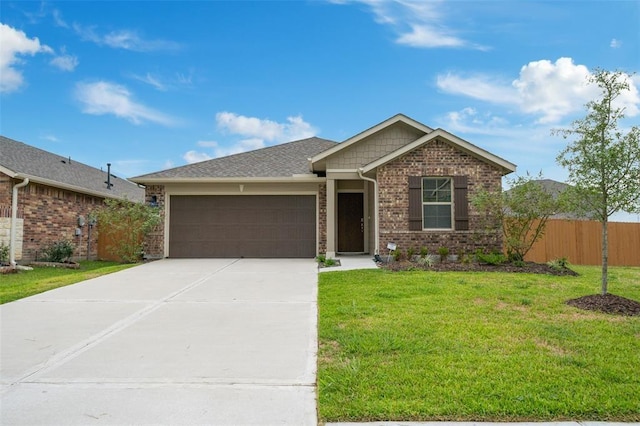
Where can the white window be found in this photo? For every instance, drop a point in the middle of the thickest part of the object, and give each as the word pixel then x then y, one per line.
pixel 437 203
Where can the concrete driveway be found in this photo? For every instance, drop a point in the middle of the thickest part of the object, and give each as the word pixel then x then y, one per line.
pixel 215 341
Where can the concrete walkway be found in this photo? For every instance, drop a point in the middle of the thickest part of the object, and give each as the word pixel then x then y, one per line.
pixel 170 342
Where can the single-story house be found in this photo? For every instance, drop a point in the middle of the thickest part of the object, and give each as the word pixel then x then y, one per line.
pixel 398 182
pixel 56 201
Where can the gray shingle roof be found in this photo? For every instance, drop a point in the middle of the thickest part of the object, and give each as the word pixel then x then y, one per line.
pixel 284 160
pixel 39 165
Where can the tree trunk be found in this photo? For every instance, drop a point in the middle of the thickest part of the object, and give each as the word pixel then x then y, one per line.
pixel 605 255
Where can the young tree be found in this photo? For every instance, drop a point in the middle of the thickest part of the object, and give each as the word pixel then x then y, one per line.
pixel 126 224
pixel 603 161
pixel 522 213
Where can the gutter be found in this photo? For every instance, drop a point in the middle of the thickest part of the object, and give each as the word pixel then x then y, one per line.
pixel 14 220
pixel 375 211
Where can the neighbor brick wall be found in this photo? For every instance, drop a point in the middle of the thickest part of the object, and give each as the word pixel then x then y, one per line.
pixel 50 215
pixel 154 242
pixel 436 158
pixel 322 218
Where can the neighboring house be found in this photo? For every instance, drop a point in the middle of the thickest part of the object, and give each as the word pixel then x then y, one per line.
pixel 56 202
pixel 398 182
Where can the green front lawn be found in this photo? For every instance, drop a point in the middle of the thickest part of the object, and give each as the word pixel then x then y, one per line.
pixel 476 347
pixel 28 283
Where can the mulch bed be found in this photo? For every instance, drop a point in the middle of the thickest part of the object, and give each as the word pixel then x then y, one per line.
pixel 527 267
pixel 608 303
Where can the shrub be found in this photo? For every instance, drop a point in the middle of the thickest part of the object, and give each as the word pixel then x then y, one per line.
pixel 491 258
pixel 59 251
pixel 321 258
pixel 410 252
pixel 558 264
pixel 443 252
pixel 4 253
pixel 423 252
pixel 329 262
pixel 427 260
pixel 397 255
pixel 127 223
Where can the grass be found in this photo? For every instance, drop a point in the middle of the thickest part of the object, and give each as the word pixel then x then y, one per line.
pixel 433 346
pixel 41 279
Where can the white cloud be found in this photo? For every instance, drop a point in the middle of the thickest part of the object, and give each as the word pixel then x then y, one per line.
pixel 480 87
pixel 50 138
pixel 14 43
pixel 124 39
pixel 426 36
pixel 615 44
pixel 549 90
pixel 418 23
pixel 58 20
pixel 195 157
pixel 152 81
pixel 267 130
pixel 468 120
pixel 256 133
pixel 102 98
pixel 65 62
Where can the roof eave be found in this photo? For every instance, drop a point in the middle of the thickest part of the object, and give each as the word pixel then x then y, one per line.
pixel 273 179
pixel 48 182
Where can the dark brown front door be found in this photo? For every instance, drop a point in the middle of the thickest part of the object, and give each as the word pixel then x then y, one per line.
pixel 350 222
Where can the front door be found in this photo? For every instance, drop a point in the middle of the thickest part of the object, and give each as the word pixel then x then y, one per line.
pixel 350 222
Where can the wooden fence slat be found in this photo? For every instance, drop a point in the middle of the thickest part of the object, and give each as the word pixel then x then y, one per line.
pixel 580 242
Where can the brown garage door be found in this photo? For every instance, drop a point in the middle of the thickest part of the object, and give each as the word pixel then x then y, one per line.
pixel 242 226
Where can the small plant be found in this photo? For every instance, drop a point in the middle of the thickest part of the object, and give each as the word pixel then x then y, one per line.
pixel 423 252
pixel 491 258
pixel 397 255
pixel 4 253
pixel 410 252
pixel 443 252
pixel 466 259
pixel 59 251
pixel 321 258
pixel 428 260
pixel 519 263
pixel 558 264
pixel 329 262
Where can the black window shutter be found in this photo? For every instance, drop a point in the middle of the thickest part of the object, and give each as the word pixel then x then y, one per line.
pixel 415 203
pixel 461 204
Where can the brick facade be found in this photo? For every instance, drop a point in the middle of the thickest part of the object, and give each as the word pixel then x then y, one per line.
pixel 322 219
pixel 154 242
pixel 436 158
pixel 50 214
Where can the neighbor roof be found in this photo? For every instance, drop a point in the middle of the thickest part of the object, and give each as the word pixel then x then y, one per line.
pixel 280 161
pixel 19 160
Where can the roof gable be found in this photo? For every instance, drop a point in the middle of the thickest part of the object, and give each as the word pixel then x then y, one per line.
pixel 19 160
pixel 286 160
pixel 506 166
pixel 319 160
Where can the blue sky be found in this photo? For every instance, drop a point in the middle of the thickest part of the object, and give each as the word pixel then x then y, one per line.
pixel 150 85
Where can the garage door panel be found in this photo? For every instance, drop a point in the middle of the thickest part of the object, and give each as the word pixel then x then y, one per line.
pixel 242 226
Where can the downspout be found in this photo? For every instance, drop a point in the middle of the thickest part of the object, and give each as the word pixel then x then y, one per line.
pixel 14 220
pixel 375 211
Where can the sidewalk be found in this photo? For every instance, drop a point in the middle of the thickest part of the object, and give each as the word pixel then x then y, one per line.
pixel 348 263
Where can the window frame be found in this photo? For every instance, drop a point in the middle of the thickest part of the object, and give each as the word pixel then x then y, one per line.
pixel 450 203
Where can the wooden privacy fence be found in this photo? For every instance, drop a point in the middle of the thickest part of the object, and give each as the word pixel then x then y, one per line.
pixel 580 242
